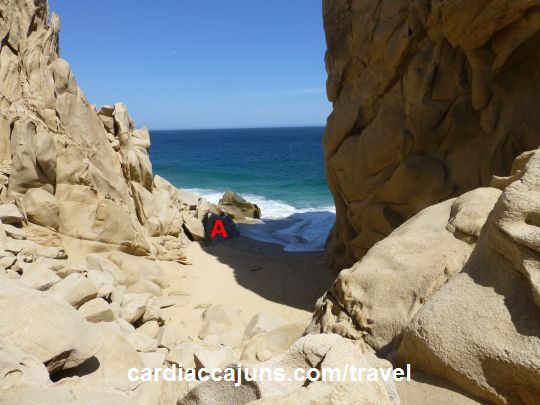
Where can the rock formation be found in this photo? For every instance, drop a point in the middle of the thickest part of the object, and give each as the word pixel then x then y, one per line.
pixel 237 207
pixel 454 291
pixel 321 350
pixel 430 98
pixel 82 174
pixel 482 329
pixel 83 225
pixel 432 101
pixel 89 238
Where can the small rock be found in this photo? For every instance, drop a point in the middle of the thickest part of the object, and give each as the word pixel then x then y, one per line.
pixel 97 310
pixel 134 306
pixel 211 327
pixel 214 359
pixel 95 261
pixel 19 367
pixel 10 214
pixel 211 341
pixel 39 276
pixel 224 314
pixel 142 342
pixel 163 350
pixel 167 336
pixel 182 354
pixel 150 328
pixel 104 282
pixel 152 313
pixel 75 289
pixel 170 301
pixel 7 261
pixel 4 253
pixel 13 248
pixel 263 355
pixel 12 274
pixel 263 322
pixel 277 341
pixel 144 287
pixel 152 359
pixel 117 294
pixel 55 264
pixel 232 337
pixel 28 247
pixel 69 268
pixel 25 258
pixel 106 111
pixel 14 232
pixel 194 227
pixel 124 325
pixel 41 208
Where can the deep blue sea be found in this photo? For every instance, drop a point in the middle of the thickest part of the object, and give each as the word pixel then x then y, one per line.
pixel 279 169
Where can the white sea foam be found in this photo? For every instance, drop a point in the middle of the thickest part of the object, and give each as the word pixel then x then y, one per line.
pixel 296 229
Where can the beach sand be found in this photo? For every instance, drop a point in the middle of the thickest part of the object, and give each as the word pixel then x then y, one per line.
pixel 248 275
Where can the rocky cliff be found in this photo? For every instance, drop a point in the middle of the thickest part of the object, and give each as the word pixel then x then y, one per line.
pixel 430 98
pixel 80 174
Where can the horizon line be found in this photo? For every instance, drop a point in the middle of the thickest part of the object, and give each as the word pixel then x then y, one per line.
pixel 249 127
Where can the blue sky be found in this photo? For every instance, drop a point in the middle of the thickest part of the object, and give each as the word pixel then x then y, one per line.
pixel 200 64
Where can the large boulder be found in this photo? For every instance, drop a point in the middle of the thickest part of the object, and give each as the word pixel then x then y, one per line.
pixel 237 207
pixel 319 351
pixel 41 208
pixel 51 331
pixel 481 331
pixel 423 109
pixel 110 366
pixel 376 299
pixel 17 367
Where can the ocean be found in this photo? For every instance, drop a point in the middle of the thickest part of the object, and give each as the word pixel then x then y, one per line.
pixel 279 169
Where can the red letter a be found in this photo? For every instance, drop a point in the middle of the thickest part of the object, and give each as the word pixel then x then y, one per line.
pixel 218 228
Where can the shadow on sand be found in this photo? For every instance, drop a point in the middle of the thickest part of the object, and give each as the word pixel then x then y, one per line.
pixel 290 278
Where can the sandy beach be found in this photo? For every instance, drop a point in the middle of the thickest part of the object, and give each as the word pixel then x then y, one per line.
pixel 249 275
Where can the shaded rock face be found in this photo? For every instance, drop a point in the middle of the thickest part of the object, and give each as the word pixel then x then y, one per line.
pixel 227 225
pixel 430 98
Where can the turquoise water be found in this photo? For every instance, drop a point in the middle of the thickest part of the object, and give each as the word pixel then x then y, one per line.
pixel 280 169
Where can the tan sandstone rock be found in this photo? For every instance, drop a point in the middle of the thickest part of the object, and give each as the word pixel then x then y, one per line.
pixel 41 208
pixel 17 367
pixel 414 262
pixel 423 109
pixel 51 331
pixel 310 351
pixel 75 289
pixel 481 331
pixel 97 310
